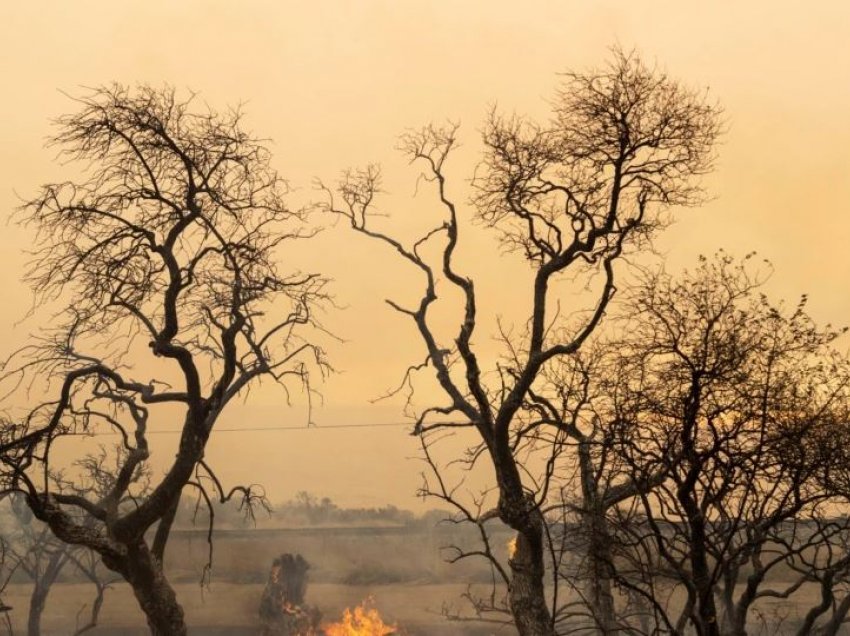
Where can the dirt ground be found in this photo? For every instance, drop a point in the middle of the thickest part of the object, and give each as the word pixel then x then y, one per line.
pixel 231 609
pixel 403 571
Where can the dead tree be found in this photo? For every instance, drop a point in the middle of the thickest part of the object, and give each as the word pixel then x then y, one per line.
pixel 283 608
pixel 592 482
pixel 166 253
pixel 44 558
pixel 626 143
pixel 734 412
pixel 8 566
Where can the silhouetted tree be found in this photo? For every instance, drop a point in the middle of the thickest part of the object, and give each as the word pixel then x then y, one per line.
pixel 625 144
pixel 165 252
pixel 591 480
pixel 733 413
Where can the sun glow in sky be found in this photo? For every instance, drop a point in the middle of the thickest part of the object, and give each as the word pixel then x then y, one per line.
pixel 332 84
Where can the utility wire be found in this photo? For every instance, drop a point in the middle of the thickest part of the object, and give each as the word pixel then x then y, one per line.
pixel 296 428
pixel 251 429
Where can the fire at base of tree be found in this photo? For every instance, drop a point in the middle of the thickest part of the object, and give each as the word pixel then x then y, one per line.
pixel 284 611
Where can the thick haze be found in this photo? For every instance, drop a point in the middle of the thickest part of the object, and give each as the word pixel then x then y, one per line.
pixel 334 83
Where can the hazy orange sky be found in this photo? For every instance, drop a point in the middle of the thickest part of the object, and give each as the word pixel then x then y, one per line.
pixel 334 83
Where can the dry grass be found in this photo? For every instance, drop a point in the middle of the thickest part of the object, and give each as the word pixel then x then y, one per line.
pixel 232 608
pixel 402 571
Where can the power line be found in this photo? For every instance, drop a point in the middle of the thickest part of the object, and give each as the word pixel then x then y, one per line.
pixel 298 428
pixel 254 429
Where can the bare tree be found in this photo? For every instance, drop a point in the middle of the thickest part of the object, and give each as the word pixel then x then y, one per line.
pixel 625 144
pixel 44 558
pixel 41 557
pixel 733 411
pixel 592 482
pixel 165 252
pixel 8 566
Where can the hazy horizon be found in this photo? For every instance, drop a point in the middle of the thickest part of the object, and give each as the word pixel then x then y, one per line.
pixel 334 84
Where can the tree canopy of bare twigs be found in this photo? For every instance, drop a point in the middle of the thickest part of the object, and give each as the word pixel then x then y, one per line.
pixel 723 418
pixel 626 143
pixel 742 405
pixel 165 252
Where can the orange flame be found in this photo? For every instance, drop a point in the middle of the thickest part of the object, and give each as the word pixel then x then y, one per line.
pixel 364 620
pixel 511 547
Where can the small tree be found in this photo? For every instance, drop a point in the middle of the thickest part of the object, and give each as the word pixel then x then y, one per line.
pixel 44 558
pixel 625 144
pixel 8 566
pixel 165 252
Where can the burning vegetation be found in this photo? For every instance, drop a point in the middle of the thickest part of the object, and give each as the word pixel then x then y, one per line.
pixel 285 612
pixel 364 620
pixel 283 609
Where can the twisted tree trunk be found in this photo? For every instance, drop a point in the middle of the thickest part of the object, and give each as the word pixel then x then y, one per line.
pixel 157 599
pixel 527 593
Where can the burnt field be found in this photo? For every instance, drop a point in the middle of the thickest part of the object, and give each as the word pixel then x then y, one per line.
pixel 231 609
pixel 357 555
pixel 400 570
